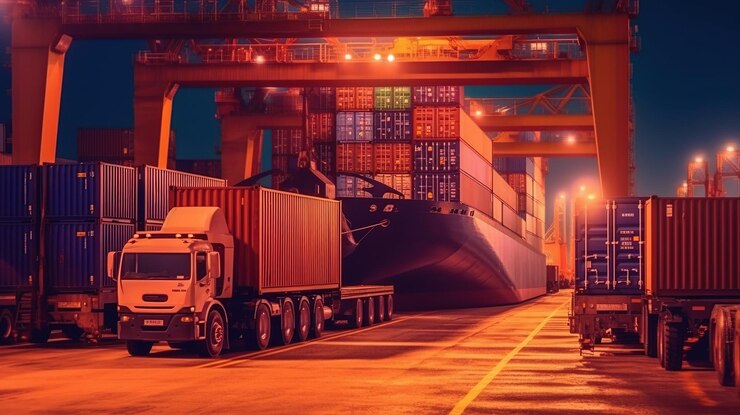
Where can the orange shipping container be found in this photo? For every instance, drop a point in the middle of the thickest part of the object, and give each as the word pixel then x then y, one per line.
pixel 355 99
pixel 449 122
pixel 400 182
pixel 354 157
pixel 392 158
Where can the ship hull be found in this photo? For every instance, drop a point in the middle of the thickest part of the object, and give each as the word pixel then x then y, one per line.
pixel 440 255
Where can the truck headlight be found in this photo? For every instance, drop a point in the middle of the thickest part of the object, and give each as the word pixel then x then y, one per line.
pixel 187 319
pixel 126 319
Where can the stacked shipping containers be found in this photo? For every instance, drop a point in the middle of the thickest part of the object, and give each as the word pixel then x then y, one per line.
pixel 526 176
pixel 113 145
pixel 210 168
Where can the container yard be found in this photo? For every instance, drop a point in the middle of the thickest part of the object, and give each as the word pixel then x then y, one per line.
pixel 428 206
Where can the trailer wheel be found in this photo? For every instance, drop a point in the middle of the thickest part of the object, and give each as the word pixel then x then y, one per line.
pixel 721 350
pixel 736 346
pixel 381 309
pixel 389 307
pixel 304 320
pixel 138 347
pixel 317 328
pixel 262 327
pixel 72 332
pixel 286 324
pixel 40 336
pixel 661 341
pixel 355 320
pixel 650 333
pixel 370 311
pixel 6 326
pixel 673 338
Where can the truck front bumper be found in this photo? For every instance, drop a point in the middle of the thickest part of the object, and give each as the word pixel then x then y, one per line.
pixel 158 327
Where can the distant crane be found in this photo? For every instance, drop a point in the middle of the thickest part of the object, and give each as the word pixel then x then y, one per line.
pixel 727 167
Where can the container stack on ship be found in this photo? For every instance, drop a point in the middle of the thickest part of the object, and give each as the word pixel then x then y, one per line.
pixel 455 237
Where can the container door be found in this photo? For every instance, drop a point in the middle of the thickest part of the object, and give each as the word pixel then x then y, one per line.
pixel 627 243
pixel 592 268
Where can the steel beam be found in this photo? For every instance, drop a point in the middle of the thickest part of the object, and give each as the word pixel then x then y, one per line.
pixel 366 74
pixel 152 121
pixel 241 147
pixel 535 122
pixel 543 149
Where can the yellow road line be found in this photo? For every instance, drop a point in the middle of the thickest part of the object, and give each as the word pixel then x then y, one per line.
pixel 693 387
pixel 477 389
pixel 266 353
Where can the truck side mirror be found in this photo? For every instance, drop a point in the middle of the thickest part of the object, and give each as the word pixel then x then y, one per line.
pixel 113 260
pixel 214 265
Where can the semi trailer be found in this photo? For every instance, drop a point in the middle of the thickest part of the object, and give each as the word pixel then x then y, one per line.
pixel 235 266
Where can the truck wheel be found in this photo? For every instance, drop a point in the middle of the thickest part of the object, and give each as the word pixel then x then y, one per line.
pixel 138 347
pixel 6 326
pixel 72 332
pixel 389 307
pixel 40 336
pixel 370 311
pixel 736 346
pixel 673 338
pixel 381 309
pixel 661 342
pixel 317 328
pixel 287 322
pixel 721 350
pixel 650 333
pixel 213 344
pixel 262 333
pixel 304 320
pixel 355 319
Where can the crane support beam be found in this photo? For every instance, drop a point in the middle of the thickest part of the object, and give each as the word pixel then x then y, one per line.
pixel 152 122
pixel 241 147
pixel 544 149
pixel 438 26
pixel 366 74
pixel 37 53
pixel 535 122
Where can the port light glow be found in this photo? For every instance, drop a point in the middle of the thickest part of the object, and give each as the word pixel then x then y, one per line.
pixel 377 57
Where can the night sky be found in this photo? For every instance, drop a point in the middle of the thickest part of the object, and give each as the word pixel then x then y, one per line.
pixel 686 89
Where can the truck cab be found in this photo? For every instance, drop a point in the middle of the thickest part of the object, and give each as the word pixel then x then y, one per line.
pixel 172 283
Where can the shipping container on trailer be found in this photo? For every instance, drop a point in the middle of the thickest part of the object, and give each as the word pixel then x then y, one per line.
pixel 392 158
pixel 392 126
pixel 354 157
pixel 691 267
pixel 354 126
pixel 20 186
pixel 355 98
pixel 18 255
pixel 89 191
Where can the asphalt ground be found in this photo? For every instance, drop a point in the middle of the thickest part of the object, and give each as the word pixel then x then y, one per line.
pixel 500 360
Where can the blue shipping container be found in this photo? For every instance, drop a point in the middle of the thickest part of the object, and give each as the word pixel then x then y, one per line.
pixel 154 190
pixel 442 95
pixel 18 255
pixel 20 191
pixel 392 126
pixel 440 187
pixel 351 186
pixel 90 191
pixel 75 253
pixel 436 156
pixel 354 126
pixel 609 246
pixel 507 165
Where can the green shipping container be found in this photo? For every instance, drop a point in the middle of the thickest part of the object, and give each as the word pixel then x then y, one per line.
pixel 392 98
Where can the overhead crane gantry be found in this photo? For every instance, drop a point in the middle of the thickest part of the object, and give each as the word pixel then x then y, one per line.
pixel 38 68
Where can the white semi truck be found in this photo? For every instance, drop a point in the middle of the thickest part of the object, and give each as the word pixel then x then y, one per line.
pixel 238 265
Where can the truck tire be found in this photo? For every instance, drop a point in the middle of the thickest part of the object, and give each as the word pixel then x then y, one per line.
pixel 72 332
pixel 40 336
pixel 286 324
pixel 389 307
pixel 355 319
pixel 650 333
pixel 138 347
pixel 370 311
pixel 213 344
pixel 661 342
pixel 262 326
pixel 736 347
pixel 317 328
pixel 6 326
pixel 721 350
pixel 304 320
pixel 673 339
pixel 381 309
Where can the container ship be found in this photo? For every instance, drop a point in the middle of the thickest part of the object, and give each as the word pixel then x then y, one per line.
pixel 431 211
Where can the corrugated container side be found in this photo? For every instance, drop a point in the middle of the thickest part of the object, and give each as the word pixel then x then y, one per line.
pixel 320 99
pixel 392 157
pixel 692 247
pixel 475 194
pixel 320 127
pixel 442 95
pixel 351 186
pixel 154 185
pixel 287 163
pixel 424 95
pixel 475 137
pixel 90 191
pixel 498 210
pixel 475 165
pixel 266 225
pixel 440 187
pixel 104 143
pixel 151 226
pixel 512 221
pixel 400 182
pixel 503 190
pixel 355 99
pixel 392 126
pixel 210 168
pixel 354 157
pixel 354 126
pixel 436 156
pixel 18 255
pixel 75 253
pixel 511 165
pixel 287 140
pixel 326 154
pixel 20 190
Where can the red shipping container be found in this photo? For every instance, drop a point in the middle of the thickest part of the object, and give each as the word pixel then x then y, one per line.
pixel 354 157
pixel 437 122
pixel 287 141
pixel 320 127
pixel 266 225
pixel 392 157
pixel 355 99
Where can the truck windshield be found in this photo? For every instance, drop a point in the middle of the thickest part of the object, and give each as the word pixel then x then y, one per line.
pixel 155 266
